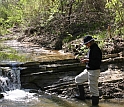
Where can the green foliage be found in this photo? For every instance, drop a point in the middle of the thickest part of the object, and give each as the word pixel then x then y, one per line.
pixel 10 15
pixel 76 17
pixel 11 54
pixel 22 12
pixel 117 10
pixel 39 13
pixel 2 30
pixel 100 38
pixel 68 37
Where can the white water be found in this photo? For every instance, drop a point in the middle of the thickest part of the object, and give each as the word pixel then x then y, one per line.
pixel 11 87
pixel 19 95
pixel 10 80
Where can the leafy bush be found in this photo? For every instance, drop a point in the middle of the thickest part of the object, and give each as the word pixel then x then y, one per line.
pixel 22 12
pixel 116 8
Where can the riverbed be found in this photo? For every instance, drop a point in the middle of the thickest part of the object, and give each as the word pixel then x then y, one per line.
pixel 34 52
pixel 49 101
pixel 40 99
pixel 22 98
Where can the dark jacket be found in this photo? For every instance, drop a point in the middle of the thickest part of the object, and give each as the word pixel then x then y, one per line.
pixel 95 57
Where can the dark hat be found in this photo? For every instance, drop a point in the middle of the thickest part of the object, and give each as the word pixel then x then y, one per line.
pixel 87 39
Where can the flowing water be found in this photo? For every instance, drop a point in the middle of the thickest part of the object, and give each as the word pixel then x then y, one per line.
pixel 14 96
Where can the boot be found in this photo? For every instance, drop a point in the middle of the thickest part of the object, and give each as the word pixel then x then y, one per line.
pixel 95 100
pixel 81 95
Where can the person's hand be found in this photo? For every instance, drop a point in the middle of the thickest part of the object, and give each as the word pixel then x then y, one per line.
pixel 84 60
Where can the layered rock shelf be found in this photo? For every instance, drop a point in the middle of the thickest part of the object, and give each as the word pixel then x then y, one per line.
pixel 58 77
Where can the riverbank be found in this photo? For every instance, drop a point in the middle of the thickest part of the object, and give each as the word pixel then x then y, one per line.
pixel 111 85
pixel 60 88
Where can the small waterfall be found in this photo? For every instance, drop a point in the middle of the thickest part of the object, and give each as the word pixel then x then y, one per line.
pixel 10 85
pixel 4 83
pixel 10 78
pixel 15 78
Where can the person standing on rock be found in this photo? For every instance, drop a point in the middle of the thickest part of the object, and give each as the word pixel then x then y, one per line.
pixel 92 71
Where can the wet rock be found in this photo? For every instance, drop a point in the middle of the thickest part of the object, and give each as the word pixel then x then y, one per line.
pixel 108 88
pixel 48 73
pixel 57 77
pixel 1 96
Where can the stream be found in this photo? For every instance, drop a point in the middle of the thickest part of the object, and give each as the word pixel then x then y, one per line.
pixel 14 96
